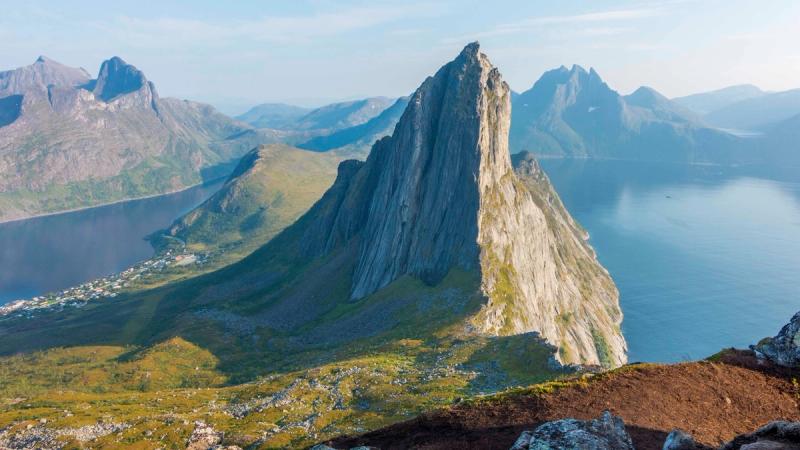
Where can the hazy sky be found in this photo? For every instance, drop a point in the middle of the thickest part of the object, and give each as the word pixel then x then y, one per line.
pixel 237 53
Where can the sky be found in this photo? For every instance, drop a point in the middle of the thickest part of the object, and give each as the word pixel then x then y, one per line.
pixel 235 54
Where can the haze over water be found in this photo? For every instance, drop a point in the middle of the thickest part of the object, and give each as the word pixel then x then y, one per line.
pixel 704 257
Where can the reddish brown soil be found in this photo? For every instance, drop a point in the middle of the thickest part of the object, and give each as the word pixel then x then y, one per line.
pixel 714 401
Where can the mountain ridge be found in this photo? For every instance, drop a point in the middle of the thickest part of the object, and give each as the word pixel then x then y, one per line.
pixel 574 113
pixel 69 142
pixel 705 102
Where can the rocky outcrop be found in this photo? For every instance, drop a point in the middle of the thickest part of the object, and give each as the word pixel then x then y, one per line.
pixel 441 194
pixel 205 437
pixel 67 141
pixel 117 78
pixel 604 433
pixel 681 440
pixel 778 435
pixel 783 349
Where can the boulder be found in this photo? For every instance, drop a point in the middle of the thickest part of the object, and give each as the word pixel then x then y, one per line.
pixel 778 435
pixel 681 440
pixel 783 349
pixel 604 433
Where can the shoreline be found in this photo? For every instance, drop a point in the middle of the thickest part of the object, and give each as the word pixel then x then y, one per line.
pixel 101 205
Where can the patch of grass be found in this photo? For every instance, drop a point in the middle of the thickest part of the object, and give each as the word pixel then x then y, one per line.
pixel 601 346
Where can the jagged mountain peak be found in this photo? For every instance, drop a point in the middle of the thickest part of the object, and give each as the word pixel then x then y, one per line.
pixel 36 78
pixel 646 95
pixel 578 69
pixel 442 146
pixel 117 78
pixel 440 195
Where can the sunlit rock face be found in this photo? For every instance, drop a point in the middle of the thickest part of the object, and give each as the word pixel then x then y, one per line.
pixel 441 193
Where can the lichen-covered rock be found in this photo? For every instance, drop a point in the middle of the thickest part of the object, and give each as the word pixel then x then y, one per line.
pixel 205 437
pixel 778 435
pixel 604 433
pixel 783 349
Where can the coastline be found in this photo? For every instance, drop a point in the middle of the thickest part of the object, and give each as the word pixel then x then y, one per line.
pixel 100 205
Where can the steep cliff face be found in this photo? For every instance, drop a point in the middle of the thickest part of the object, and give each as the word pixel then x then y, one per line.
pixel 561 289
pixel 423 211
pixel 69 141
pixel 441 194
pixel 118 78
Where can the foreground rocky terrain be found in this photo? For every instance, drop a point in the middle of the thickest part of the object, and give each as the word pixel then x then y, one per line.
pixel 714 401
pixel 736 399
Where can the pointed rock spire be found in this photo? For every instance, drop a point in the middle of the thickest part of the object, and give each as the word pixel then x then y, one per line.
pixel 117 78
pixel 441 194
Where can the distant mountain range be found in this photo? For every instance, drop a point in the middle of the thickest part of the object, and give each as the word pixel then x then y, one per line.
pixel 70 141
pixel 327 119
pixel 574 113
pixel 744 108
pixel 707 102
pixel 757 113
pixel 278 116
pixel 357 140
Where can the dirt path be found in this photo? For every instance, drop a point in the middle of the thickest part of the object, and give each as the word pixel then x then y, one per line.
pixel 713 401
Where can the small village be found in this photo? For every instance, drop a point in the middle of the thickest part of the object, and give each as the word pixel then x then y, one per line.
pixel 102 288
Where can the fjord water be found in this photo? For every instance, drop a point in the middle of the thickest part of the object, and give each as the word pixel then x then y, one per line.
pixel 50 253
pixel 704 257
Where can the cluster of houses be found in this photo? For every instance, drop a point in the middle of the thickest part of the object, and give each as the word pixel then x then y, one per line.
pixel 102 288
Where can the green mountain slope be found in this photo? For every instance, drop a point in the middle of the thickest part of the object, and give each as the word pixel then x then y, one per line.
pixel 272 186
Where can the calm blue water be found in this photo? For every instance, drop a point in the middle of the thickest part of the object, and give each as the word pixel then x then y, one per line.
pixel 50 253
pixel 704 258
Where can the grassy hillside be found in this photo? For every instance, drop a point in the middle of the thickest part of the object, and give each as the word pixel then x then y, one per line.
pixel 220 368
pixel 272 186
